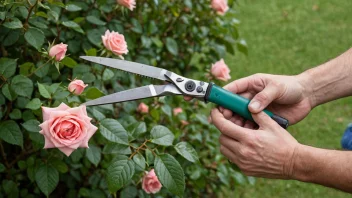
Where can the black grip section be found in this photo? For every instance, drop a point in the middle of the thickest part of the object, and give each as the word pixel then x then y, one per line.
pixel 281 121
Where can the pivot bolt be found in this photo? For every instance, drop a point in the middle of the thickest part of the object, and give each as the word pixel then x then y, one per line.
pixel 190 86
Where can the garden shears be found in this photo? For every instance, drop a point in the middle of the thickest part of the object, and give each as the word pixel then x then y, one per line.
pixel 176 85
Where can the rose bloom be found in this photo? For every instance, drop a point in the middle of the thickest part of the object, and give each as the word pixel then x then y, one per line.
pixel 220 6
pixel 143 108
pixel 77 87
pixel 177 110
pixel 58 51
pixel 130 4
pixel 115 42
pixel 220 71
pixel 150 183
pixel 66 128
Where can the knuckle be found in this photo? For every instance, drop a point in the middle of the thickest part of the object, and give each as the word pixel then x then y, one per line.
pixel 221 140
pixel 262 96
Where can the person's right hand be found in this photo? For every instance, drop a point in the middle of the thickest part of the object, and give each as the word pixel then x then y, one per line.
pixel 286 96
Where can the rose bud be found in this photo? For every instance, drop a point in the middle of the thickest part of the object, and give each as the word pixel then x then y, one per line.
pixel 220 71
pixel 66 128
pixel 115 42
pixel 151 183
pixel 143 108
pixel 77 87
pixel 130 4
pixel 177 110
pixel 220 6
pixel 58 51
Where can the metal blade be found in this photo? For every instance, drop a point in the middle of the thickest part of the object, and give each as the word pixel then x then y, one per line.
pixel 135 94
pixel 136 68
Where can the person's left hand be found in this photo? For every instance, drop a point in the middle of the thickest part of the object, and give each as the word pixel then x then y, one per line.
pixel 267 152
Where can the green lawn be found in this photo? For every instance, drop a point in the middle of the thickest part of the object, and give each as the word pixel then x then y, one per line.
pixel 288 37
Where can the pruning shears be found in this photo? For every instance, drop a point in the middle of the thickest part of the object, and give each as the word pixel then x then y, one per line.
pixel 176 85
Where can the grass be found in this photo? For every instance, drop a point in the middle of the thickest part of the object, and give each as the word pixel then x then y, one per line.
pixel 288 37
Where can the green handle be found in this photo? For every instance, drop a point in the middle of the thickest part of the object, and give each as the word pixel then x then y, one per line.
pixel 237 104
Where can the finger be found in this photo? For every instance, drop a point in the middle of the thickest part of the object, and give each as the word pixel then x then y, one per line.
pixel 230 143
pixel 249 124
pixel 227 127
pixel 221 109
pixel 187 98
pixel 264 121
pixel 229 154
pixel 261 100
pixel 239 86
pixel 248 95
pixel 237 119
pixel 227 114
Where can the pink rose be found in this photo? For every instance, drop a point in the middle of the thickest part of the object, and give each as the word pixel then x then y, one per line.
pixel 58 51
pixel 130 4
pixel 115 42
pixel 77 87
pixel 177 110
pixel 220 6
pixel 66 128
pixel 143 108
pixel 220 71
pixel 150 183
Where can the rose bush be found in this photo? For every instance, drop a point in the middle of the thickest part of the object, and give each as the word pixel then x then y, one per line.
pixel 43 83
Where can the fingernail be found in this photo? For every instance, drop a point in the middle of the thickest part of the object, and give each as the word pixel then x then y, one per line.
pixel 254 105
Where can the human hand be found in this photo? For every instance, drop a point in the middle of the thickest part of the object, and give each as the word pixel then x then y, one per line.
pixel 285 96
pixel 267 152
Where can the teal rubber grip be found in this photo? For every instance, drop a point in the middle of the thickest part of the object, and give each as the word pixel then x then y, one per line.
pixel 237 104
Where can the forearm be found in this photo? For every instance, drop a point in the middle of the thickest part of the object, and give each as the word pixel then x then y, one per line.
pixel 326 167
pixel 329 81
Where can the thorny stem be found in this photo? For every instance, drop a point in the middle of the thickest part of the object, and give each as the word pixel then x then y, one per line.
pixel 38 68
pixel 139 148
pixel 30 11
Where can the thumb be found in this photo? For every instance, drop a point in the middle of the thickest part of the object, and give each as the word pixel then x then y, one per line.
pixel 263 120
pixel 261 100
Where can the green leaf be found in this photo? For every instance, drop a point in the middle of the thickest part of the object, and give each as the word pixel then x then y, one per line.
pixel 91 52
pixel 15 23
pixel 94 20
pixel 170 174
pixel 136 26
pixel 93 93
pixel 94 36
pixel 11 37
pixel 149 156
pixel 53 87
pixel 107 74
pixel 162 135
pixel 187 151
pixel 43 91
pixel 34 104
pixel 47 178
pixel 119 172
pixel 69 62
pixel 35 37
pixel 172 46
pixel 73 25
pixel 10 132
pixel 2 168
pixel 10 189
pixel 242 47
pixel 116 148
pixel 32 126
pixel 2 15
pixel 113 131
pixel 73 7
pixel 15 114
pixel 137 129
pixel 139 160
pixel 8 92
pixel 7 67
pixel 22 85
pixel 26 68
pixel 59 165
pixel 93 153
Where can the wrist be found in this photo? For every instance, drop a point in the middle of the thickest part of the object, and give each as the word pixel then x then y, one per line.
pixel 303 167
pixel 307 83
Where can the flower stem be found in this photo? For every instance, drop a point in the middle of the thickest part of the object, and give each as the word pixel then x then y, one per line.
pixel 139 148
pixel 29 75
